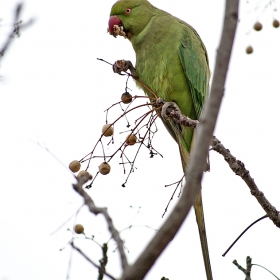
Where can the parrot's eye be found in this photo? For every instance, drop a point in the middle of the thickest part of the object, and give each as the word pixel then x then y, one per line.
pixel 127 11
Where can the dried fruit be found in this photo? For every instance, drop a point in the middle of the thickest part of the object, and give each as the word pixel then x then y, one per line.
pixel 107 130
pixel 81 173
pixel 104 168
pixel 75 166
pixel 126 97
pixel 130 139
pixel 79 228
pixel 276 23
pixel 258 26
pixel 249 49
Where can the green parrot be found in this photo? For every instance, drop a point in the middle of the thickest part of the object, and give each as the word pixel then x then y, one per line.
pixel 172 61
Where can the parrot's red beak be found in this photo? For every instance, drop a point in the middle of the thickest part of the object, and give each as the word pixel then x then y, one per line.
pixel 115 26
pixel 114 20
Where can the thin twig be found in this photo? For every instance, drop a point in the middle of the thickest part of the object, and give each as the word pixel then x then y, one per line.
pixel 141 143
pixel 18 26
pixel 265 216
pixel 70 218
pixel 88 259
pixel 69 263
pixel 171 198
pixel 266 270
pixel 112 124
pixel 103 262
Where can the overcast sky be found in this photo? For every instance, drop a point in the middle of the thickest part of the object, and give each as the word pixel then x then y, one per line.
pixel 53 94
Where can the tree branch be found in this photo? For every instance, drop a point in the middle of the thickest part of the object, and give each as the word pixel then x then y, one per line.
pixel 15 31
pixel 237 166
pixel 173 111
pixel 103 261
pixel 246 271
pixel 98 210
pixel 199 154
pixel 239 169
pixel 94 264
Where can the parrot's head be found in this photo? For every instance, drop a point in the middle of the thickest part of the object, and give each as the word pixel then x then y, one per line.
pixel 129 17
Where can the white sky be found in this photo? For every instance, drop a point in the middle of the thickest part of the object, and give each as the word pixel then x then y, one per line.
pixel 53 91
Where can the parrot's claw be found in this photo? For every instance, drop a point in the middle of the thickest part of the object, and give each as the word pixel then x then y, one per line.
pixel 124 65
pixel 169 105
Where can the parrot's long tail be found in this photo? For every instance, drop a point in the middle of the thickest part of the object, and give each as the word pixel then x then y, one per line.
pixel 198 207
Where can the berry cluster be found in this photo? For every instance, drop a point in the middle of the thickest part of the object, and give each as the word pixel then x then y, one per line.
pixel 135 136
pixel 258 27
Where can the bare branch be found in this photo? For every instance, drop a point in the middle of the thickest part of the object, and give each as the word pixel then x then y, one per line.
pixel 15 31
pixel 98 210
pixel 199 154
pixel 94 264
pixel 263 217
pixel 103 261
pixel 246 271
pixel 239 169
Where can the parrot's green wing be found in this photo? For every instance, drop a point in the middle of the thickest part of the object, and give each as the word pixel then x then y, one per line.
pixel 194 60
pixel 193 56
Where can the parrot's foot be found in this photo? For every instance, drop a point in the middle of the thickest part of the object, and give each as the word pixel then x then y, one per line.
pixel 124 65
pixel 169 106
pixel 170 110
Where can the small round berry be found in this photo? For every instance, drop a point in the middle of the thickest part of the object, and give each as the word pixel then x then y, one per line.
pixel 249 49
pixel 82 173
pixel 130 139
pixel 126 97
pixel 75 166
pixel 276 23
pixel 79 228
pixel 107 130
pixel 104 168
pixel 258 26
